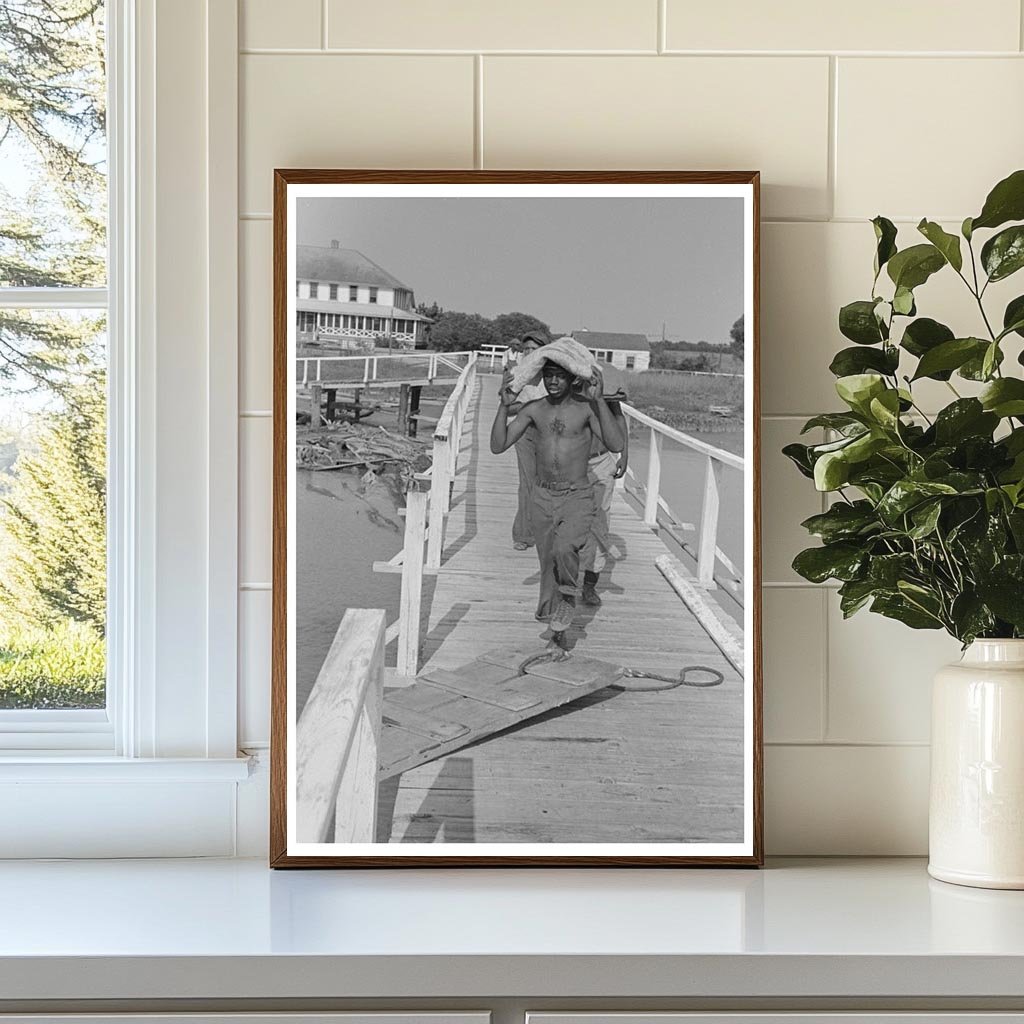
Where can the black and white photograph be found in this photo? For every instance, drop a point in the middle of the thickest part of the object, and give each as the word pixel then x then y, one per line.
pixel 516 558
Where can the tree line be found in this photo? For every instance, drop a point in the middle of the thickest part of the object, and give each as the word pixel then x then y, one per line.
pixel 453 331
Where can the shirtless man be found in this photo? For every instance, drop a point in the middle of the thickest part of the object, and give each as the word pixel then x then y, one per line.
pixel 563 426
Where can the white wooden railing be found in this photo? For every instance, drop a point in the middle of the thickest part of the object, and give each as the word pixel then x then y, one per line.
pixel 337 736
pixel 494 354
pixel 708 551
pixel 380 369
pixel 426 513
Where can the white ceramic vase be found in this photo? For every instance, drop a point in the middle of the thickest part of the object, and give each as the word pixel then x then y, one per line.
pixel 976 813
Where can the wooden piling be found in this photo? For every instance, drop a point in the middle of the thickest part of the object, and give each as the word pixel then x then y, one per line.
pixel 403 408
pixel 315 393
pixel 414 408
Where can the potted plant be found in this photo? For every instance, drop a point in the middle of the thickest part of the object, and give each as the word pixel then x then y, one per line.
pixel 927 521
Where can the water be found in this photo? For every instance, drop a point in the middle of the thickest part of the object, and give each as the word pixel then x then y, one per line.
pixel 343 526
pixel 682 485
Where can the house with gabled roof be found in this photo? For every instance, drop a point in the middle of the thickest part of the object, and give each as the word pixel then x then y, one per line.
pixel 623 351
pixel 343 298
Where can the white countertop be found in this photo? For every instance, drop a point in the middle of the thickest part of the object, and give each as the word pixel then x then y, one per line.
pixel 233 929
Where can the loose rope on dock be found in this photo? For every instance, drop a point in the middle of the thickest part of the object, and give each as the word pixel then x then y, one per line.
pixel 715 677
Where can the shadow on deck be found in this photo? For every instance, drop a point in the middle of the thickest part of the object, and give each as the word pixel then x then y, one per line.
pixel 613 766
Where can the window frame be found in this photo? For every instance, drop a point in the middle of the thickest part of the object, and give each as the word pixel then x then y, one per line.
pixel 159 715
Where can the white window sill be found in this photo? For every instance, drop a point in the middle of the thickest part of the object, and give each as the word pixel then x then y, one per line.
pixel 76 766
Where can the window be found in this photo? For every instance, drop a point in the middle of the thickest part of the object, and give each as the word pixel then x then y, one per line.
pixel 314 289
pixel 53 363
pixel 607 357
pixel 333 292
pixel 630 362
pixel 373 295
pixel 353 293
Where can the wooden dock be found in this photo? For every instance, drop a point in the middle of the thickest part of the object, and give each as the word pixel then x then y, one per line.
pixel 613 766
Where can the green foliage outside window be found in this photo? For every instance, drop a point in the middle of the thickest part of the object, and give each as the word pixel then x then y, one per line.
pixel 52 365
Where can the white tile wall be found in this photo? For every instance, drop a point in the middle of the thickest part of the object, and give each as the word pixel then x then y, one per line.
pixel 873 25
pixel 699 113
pixel 472 25
pixel 256 357
pixel 921 121
pixel 971 110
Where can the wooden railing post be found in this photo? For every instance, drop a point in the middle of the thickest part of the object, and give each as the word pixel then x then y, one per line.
pixel 412 582
pixel 653 480
pixel 708 525
pixel 438 502
pixel 366 369
pixel 337 736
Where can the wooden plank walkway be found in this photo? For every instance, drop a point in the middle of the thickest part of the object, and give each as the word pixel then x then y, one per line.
pixel 613 766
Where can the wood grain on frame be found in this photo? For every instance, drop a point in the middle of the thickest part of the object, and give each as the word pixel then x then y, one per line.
pixel 279 856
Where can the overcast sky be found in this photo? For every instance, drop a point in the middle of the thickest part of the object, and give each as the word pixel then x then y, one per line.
pixel 605 264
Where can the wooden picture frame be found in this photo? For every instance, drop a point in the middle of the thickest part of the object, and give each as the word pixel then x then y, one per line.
pixel 485 777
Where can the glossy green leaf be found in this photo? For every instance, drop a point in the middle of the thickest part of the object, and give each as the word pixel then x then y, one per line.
pixel 971 616
pixel 907 494
pixel 887 570
pixel 925 518
pixel 947 244
pixel 885 409
pixel 923 335
pixel 858 389
pixel 965 229
pixel 1005 202
pixel 911 267
pixel 974 368
pixel 799 455
pixel 842 521
pixel 841 421
pixel 849 361
pixel 903 302
pixel 1003 254
pixel 840 561
pixel 885 238
pixel 1013 316
pixel 950 355
pixel 990 360
pixel 1005 597
pixel 900 608
pixel 854 594
pixel 1004 397
pixel 831 471
pixel 966 417
pixel 857 322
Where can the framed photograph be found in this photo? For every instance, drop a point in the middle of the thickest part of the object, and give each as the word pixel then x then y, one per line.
pixel 516 587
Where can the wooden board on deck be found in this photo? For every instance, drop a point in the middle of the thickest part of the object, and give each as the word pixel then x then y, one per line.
pixel 445 710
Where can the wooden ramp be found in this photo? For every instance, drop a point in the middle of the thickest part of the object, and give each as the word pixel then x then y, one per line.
pixel 446 710
pixel 610 766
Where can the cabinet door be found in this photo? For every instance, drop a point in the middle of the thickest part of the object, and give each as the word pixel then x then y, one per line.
pixel 358 1017
pixel 791 1017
